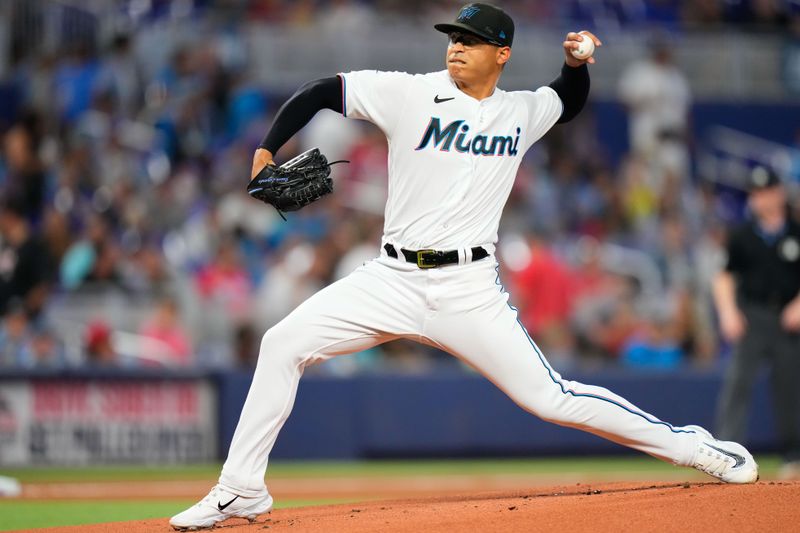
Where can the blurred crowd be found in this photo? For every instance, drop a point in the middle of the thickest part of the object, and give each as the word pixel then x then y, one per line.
pixel 127 238
pixel 754 14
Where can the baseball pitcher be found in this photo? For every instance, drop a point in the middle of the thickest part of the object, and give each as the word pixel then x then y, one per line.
pixel 456 141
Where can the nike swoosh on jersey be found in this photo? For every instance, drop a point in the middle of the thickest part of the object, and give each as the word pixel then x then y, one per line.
pixel 437 100
pixel 735 456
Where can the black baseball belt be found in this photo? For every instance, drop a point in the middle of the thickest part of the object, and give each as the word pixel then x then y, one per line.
pixel 434 258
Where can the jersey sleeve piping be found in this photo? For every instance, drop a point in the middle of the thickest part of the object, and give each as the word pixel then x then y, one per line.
pixel 344 94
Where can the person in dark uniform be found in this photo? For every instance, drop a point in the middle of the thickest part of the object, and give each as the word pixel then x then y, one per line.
pixel 758 301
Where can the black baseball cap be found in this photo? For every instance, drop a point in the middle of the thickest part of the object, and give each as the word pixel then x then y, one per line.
pixel 484 20
pixel 762 178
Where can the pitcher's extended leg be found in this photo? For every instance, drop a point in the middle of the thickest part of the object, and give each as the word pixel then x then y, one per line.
pixel 368 307
pixel 489 337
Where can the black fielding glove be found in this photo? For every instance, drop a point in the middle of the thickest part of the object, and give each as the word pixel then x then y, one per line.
pixel 294 184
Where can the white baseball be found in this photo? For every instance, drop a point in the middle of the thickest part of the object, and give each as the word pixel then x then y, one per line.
pixel 585 48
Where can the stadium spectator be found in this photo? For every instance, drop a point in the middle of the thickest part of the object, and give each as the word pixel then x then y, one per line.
pixel 75 81
pixel 545 299
pixel 658 97
pixel 15 337
pixel 222 293
pixel 24 261
pixel 121 76
pixel 24 174
pixel 596 293
pixel 225 282
pixel 93 259
pixel 654 343
pixel 145 271
pixel 673 253
pixel 56 234
pixel 45 350
pixel 166 340
pixel 99 347
pixel 299 272
pixel 246 344
pixel 639 197
pixel 614 323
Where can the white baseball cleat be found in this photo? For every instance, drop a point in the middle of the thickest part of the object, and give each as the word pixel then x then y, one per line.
pixel 725 460
pixel 220 505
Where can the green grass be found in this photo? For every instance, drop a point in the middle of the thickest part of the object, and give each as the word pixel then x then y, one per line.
pixel 25 514
pixel 328 469
pixel 31 514
pixel 17 514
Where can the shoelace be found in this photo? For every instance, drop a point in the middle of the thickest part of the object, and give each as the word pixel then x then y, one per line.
pixel 719 462
pixel 213 495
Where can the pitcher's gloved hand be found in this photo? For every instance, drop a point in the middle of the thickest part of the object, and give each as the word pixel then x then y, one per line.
pixel 294 184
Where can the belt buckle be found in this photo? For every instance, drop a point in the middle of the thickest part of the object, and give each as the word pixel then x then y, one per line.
pixel 421 259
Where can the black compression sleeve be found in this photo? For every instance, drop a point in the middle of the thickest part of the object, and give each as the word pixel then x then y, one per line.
pixel 325 93
pixel 572 87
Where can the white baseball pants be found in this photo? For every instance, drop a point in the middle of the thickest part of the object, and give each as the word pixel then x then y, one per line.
pixel 461 309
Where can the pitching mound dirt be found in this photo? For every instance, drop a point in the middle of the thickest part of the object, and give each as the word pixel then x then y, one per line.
pixel 767 506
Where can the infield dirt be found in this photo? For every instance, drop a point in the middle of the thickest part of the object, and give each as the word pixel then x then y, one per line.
pixel 599 508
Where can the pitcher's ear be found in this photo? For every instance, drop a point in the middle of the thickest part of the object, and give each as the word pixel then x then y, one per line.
pixel 503 55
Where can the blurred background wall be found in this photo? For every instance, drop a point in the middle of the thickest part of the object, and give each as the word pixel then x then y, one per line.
pixel 130 248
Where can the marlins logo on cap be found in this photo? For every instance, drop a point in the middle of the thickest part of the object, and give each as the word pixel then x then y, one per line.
pixel 467 13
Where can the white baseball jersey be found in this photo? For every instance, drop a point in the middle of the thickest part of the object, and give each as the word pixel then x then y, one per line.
pixel 452 158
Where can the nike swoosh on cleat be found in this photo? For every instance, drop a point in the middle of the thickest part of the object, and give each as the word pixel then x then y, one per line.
pixel 437 100
pixel 222 507
pixel 738 458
